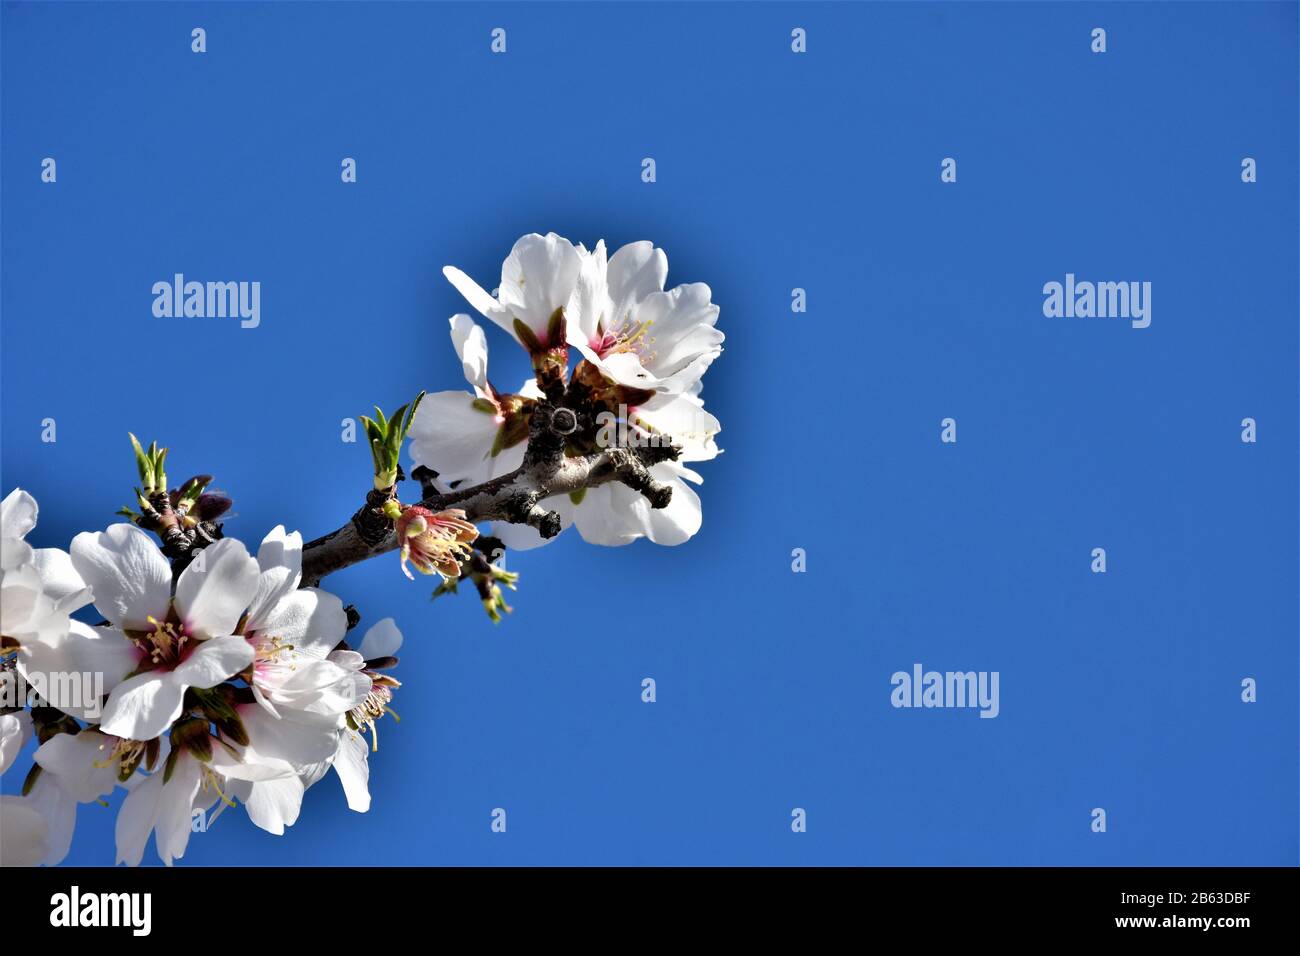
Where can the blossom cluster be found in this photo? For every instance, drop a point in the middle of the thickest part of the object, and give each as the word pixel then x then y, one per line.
pixel 227 683
pixel 641 354
pixel 215 677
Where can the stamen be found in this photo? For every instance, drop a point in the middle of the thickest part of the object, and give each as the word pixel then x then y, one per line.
pixel 629 337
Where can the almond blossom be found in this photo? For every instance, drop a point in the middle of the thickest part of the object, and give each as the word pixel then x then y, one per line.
pixel 292 631
pixel 461 434
pixel 222 679
pixel 350 759
pixel 538 279
pixel 39 587
pixel 178 642
pixel 636 334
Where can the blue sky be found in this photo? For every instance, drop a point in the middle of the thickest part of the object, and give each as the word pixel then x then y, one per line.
pixel 774 171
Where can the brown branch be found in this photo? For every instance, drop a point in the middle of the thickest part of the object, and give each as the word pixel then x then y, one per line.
pixel 515 497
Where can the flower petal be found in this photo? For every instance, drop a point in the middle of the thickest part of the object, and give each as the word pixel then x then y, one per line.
pixel 23 608
pixel 588 306
pixel 15 731
pixel 320 687
pixel 59 809
pixel 24 834
pixel 18 514
pixel 279 563
pixel 382 640
pixel 471 346
pixel 135 819
pixel 211 662
pixel 451 436
pixel 60 580
pixel 685 339
pixel 215 590
pixel 609 515
pixel 682 518
pixel 14 553
pixel 683 418
pixel 311 620
pixel 295 741
pixel 85 659
pixel 176 809
pixel 352 764
pixel 72 758
pixel 537 278
pixel 142 707
pixel 130 579
pixel 274 804
pixel 480 299
pixel 635 271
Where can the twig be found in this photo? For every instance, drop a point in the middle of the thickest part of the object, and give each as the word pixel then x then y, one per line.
pixel 514 497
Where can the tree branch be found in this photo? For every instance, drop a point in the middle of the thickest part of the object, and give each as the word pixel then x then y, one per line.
pixel 514 497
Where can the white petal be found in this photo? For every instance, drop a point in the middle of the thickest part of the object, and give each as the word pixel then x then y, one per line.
pixel 24 609
pixel 15 731
pixel 84 660
pixel 348 660
pixel 471 346
pixel 211 662
pixel 635 271
pixel 14 553
pixel 59 809
pixel 135 819
pixel 215 590
pixel 175 809
pixel 296 740
pixel 23 833
pixel 274 804
pixel 262 700
pixel 383 639
pixel 311 620
pixel 319 687
pixel 279 562
pixel 683 418
pixel 128 575
pixel 680 520
pixel 18 514
pixel 507 460
pixel 142 707
pixel 72 758
pixel 60 580
pixel 537 278
pixel 479 298
pixel 352 764
pixel 609 515
pixel 682 323
pixel 312 773
pixel 588 306
pixel 451 436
